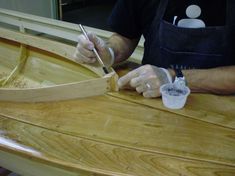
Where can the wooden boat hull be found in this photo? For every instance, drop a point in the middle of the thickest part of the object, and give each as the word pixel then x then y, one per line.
pixel 46 71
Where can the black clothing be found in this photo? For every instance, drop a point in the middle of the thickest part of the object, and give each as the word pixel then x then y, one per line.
pixel 212 13
pixel 167 45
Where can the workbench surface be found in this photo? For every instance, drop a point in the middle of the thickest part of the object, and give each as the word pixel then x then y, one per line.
pixel 119 134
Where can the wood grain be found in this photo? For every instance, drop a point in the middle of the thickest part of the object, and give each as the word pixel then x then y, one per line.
pixel 18 68
pixel 120 134
pixel 219 110
pixel 119 122
pixel 51 149
pixel 60 49
pixel 49 75
pixel 215 109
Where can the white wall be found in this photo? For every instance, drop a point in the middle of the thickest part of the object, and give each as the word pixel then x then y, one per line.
pixel 45 8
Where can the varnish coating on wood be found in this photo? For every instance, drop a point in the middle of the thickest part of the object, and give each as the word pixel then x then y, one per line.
pixel 81 155
pixel 116 134
pixel 140 137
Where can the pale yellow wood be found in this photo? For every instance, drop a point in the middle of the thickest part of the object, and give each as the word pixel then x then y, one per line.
pixel 122 123
pixel 28 149
pixel 219 110
pixel 45 44
pixel 21 62
pixel 42 66
pixel 81 89
pixel 49 90
pixel 60 49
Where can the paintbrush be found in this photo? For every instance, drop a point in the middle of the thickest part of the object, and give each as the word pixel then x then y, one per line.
pixel 94 50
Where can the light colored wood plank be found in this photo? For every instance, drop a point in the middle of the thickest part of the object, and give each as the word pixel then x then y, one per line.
pixel 120 122
pixel 44 25
pixel 31 150
pixel 81 89
pixel 219 110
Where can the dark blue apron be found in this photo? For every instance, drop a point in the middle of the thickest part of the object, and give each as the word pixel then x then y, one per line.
pixel 170 46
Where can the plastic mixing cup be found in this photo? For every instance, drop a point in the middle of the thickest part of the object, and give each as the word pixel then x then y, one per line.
pixel 174 96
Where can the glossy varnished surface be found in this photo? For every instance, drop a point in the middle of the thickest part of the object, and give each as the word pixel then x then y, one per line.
pixel 123 134
pixel 118 134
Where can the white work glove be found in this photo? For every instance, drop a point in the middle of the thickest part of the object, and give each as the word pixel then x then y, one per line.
pixel 84 53
pixel 146 79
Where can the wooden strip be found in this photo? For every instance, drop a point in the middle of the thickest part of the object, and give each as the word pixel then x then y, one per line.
pixel 45 25
pixel 122 123
pixel 81 89
pixel 21 62
pixel 58 28
pixel 218 110
pixel 53 27
pixel 44 152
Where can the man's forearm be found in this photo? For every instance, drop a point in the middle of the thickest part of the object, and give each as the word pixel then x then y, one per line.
pixel 219 80
pixel 122 46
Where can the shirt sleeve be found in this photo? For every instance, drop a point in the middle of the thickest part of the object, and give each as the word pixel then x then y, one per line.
pixel 124 19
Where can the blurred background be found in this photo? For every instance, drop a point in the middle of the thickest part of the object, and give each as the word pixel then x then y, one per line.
pixel 93 13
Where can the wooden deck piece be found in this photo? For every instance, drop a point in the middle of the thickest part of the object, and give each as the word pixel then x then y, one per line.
pixel 119 122
pixel 219 110
pixel 30 144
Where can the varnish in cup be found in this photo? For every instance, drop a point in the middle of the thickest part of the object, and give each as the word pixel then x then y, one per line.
pixel 174 96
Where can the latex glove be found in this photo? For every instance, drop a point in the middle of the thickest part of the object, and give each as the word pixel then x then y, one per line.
pixel 146 79
pixel 84 53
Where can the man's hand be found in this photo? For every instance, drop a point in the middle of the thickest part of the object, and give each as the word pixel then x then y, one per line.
pixel 146 79
pixel 84 53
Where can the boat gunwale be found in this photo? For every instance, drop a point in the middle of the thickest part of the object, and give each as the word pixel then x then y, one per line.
pixel 64 51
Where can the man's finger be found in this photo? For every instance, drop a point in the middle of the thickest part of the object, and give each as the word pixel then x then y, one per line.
pixel 137 81
pixel 152 93
pixel 127 78
pixel 99 43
